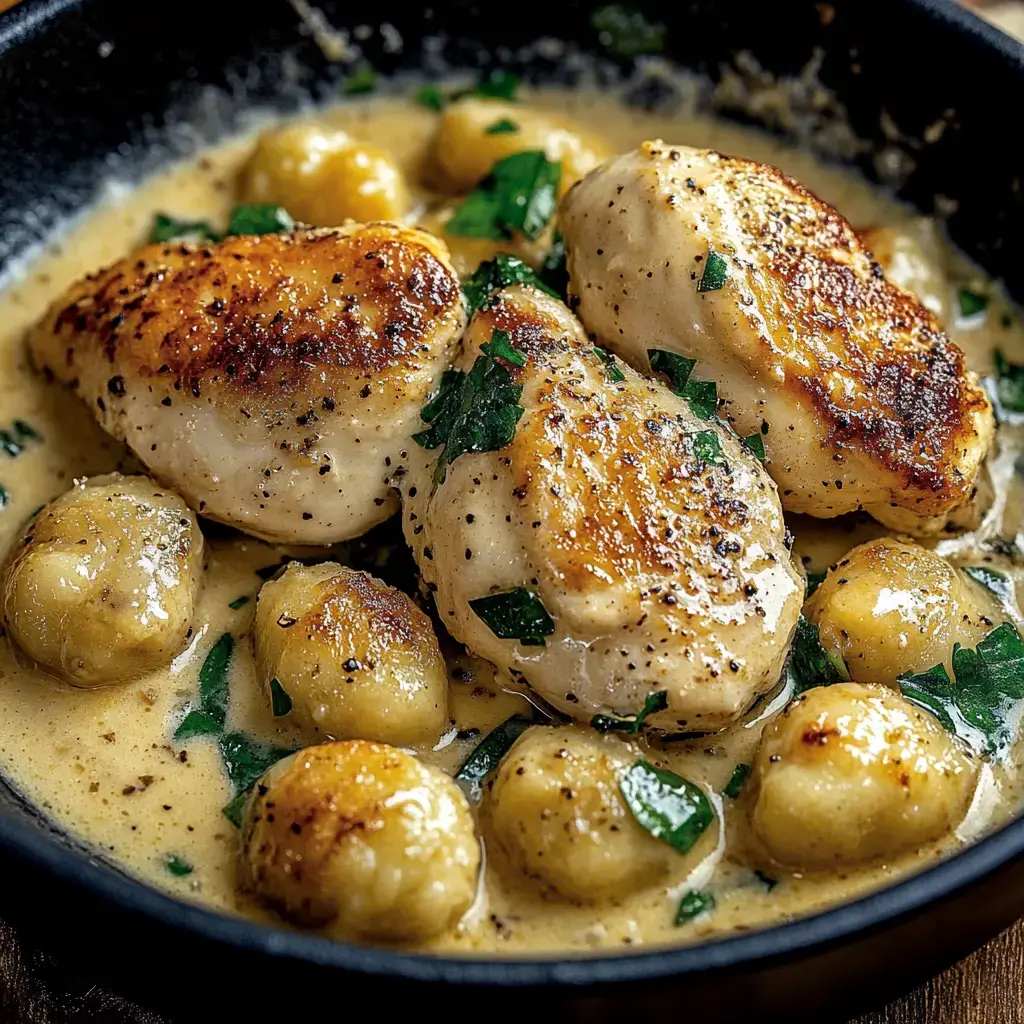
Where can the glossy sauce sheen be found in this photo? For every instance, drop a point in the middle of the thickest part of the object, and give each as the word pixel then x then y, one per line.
pixel 103 763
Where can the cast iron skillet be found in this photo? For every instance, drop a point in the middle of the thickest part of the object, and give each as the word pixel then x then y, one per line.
pixel 87 86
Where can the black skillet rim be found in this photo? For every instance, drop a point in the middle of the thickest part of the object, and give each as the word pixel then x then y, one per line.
pixel 818 932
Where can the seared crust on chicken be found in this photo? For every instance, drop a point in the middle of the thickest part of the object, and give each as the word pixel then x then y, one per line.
pixel 863 398
pixel 274 380
pixel 663 569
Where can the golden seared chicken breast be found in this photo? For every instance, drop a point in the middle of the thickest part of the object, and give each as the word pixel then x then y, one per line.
pixel 861 399
pixel 273 380
pixel 581 526
pixel 911 256
pixel 101 585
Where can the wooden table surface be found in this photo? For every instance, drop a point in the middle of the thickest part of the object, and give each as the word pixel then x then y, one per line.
pixel 985 988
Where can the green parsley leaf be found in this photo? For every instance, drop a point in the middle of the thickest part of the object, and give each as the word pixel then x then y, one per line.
pixel 515 615
pixel 500 347
pixel 26 431
pixel 989 685
pixel 810 665
pixel 814 580
pixel 362 80
pixel 612 371
pixel 10 446
pixel 280 702
pixel 246 759
pixel 553 271
pixel 971 303
pixel 234 808
pixel 259 219
pixel 493 275
pixel 170 229
pixel 654 703
pixel 997 582
pixel 701 394
pixel 518 195
pixel 431 97
pixel 5 496
pixel 239 602
pixel 626 32
pixel 755 442
pixel 707 448
pixel 211 714
pixel 695 903
pixel 473 412
pixel 737 781
pixel 1009 383
pixel 487 754
pixel 716 273
pixel 502 127
pixel 178 866
pixel 668 806
pixel 498 85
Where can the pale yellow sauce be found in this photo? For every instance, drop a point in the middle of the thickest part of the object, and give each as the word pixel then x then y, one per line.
pixel 102 763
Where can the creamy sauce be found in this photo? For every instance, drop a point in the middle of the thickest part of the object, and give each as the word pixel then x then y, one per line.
pixel 103 763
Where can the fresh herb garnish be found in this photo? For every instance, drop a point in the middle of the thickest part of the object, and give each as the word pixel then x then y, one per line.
pixel 989 684
pixel 626 32
pixel 259 219
pixel 362 80
pixel 814 580
pixel 11 447
pixel 502 127
pixel 26 431
pixel 755 443
pixel 695 903
pixel 766 880
pixel 280 702
pixel 701 394
pixel 630 725
pixel 971 303
pixel 810 665
pixel 178 866
pixel 518 195
pixel 707 448
pixel 431 97
pixel 499 85
pixel 473 412
pixel 5 496
pixel 12 442
pixel 500 347
pixel 493 275
pixel 488 753
pixel 668 806
pixel 611 368
pixel 1009 383
pixel 716 273
pixel 998 583
pixel 211 714
pixel 517 614
pixel 239 602
pixel 737 781
pixel 170 229
pixel 553 271
pixel 267 572
pixel 246 760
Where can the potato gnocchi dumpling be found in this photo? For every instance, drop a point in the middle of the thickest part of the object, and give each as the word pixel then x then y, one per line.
pixel 364 838
pixel 101 585
pixel 850 773
pixel 346 656
pixel 889 607
pixel 324 177
pixel 559 818
pixel 475 133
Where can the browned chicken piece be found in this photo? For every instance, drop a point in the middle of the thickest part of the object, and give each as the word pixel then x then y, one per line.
pixel 273 380
pixel 861 400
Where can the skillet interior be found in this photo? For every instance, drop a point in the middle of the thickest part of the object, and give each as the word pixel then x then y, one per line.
pixel 80 82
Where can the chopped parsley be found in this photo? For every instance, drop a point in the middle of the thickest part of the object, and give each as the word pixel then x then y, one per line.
pixel 26 432
pixel 707 448
pixel 701 394
pixel 626 32
pixel 553 271
pixel 239 602
pixel 997 582
pixel 246 760
pixel 1009 383
pixel 695 903
pixel 431 97
pixel 630 725
pixel 259 219
pixel 814 580
pixel 472 412
pixel 737 781
pixel 280 702
pixel 716 273
pixel 980 707
pixel 502 127
pixel 362 80
pixel 5 496
pixel 13 441
pixel 178 866
pixel 487 754
pixel 209 717
pixel 668 806
pixel 611 368
pixel 810 665
pixel 500 347
pixel 755 444
pixel 493 275
pixel 166 228
pixel 971 303
pixel 499 85
pixel 517 614
pixel 519 195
